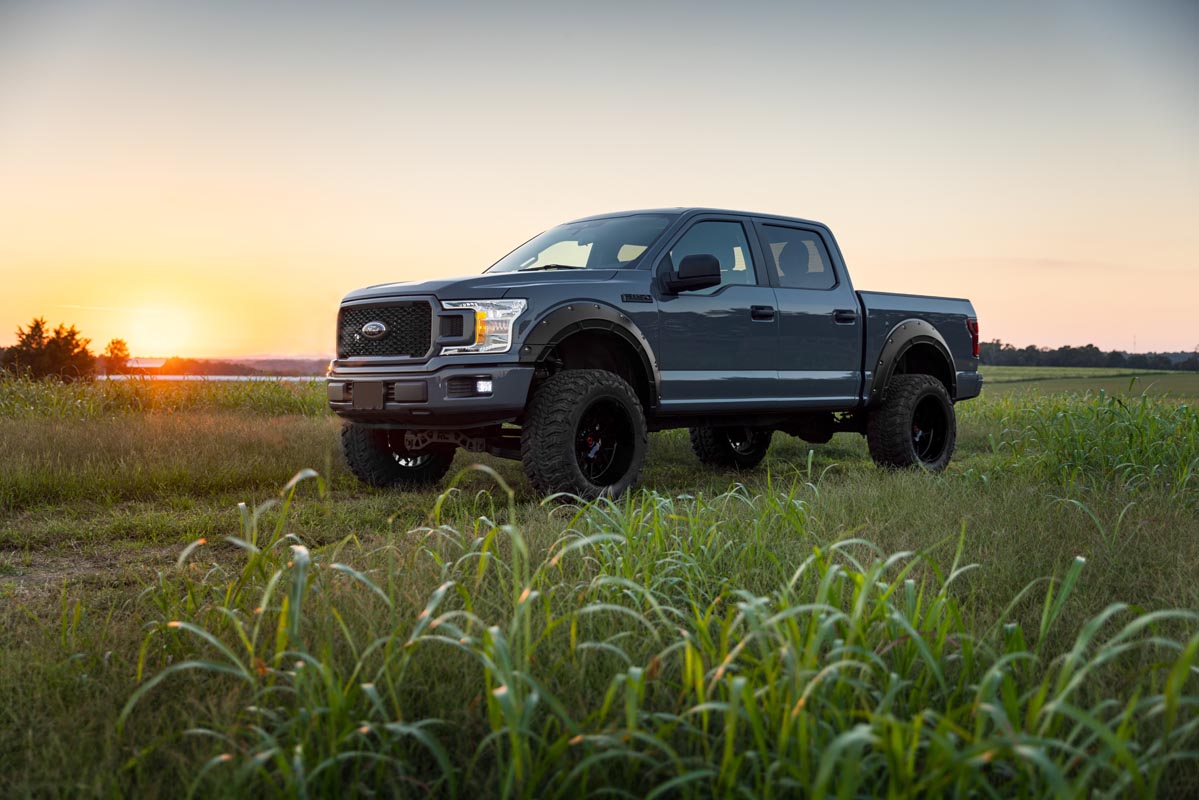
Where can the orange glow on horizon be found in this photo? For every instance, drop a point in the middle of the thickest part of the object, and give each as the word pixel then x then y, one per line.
pixel 185 176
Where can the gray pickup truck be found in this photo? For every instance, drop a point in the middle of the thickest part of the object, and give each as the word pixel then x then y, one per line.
pixel 566 352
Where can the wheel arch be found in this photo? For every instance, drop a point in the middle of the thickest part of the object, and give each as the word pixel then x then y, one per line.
pixel 914 347
pixel 590 335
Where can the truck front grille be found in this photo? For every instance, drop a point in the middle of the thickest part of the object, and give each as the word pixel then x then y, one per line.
pixel 409 330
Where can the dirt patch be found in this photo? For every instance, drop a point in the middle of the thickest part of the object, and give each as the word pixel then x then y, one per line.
pixel 38 571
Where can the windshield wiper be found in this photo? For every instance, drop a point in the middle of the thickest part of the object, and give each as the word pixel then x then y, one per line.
pixel 537 267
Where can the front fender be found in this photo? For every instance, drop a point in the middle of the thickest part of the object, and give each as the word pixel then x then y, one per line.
pixel 561 322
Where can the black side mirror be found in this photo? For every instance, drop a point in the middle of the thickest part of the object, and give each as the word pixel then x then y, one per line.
pixel 697 271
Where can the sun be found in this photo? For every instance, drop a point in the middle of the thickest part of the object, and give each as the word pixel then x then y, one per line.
pixel 160 332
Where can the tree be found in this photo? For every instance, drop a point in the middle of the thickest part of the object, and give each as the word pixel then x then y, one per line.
pixel 116 357
pixel 61 353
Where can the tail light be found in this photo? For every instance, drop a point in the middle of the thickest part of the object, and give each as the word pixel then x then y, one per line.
pixel 972 326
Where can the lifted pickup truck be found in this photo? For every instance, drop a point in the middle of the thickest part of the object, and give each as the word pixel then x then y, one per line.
pixel 567 351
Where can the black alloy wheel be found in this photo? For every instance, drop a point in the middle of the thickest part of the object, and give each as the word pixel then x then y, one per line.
pixel 604 442
pixel 741 440
pixel 930 430
pixel 734 446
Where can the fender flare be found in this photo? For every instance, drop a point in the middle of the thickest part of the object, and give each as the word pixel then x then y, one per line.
pixel 559 323
pixel 903 337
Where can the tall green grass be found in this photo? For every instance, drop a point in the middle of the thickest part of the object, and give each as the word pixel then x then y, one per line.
pixel 656 648
pixel 1098 442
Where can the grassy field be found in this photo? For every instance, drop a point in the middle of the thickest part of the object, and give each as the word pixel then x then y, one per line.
pixel 1023 625
pixel 1081 380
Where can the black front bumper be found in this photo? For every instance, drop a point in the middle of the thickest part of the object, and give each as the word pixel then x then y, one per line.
pixel 446 399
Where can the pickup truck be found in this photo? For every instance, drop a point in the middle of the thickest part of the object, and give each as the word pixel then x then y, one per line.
pixel 569 350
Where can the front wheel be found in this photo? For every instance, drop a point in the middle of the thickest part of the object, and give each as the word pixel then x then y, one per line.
pixel 914 426
pixel 377 457
pixel 737 447
pixel 584 434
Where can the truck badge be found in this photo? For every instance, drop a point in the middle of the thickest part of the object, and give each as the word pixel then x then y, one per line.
pixel 374 329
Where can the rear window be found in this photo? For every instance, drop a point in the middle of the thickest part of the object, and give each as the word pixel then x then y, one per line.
pixel 798 258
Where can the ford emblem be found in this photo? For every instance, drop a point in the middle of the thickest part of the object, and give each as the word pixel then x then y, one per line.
pixel 374 329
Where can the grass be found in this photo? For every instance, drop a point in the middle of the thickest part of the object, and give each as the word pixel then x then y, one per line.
pixel 1023 625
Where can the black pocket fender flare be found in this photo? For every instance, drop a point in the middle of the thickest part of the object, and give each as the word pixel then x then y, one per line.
pixel 903 337
pixel 571 318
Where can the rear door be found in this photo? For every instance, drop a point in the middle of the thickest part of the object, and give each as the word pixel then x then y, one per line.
pixel 820 321
pixel 718 346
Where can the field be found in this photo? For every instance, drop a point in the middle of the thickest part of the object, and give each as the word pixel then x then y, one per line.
pixel 1026 624
pixel 1079 380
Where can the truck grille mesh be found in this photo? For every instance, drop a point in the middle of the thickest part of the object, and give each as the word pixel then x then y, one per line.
pixel 409 330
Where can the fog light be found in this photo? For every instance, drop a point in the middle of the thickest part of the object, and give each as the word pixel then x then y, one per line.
pixel 483 386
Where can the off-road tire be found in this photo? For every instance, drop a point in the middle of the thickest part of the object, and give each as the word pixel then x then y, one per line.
pixel 552 442
pixel 375 459
pixel 736 448
pixel 894 429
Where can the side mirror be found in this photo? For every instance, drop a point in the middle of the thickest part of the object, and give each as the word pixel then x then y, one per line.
pixel 697 271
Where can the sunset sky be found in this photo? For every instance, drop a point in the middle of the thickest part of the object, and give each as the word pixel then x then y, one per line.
pixel 209 178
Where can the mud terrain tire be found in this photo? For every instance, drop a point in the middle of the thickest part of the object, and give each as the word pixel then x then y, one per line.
pixel 584 434
pixel 375 459
pixel 914 426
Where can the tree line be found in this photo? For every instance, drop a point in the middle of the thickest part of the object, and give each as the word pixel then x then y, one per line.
pixel 64 353
pixel 1000 354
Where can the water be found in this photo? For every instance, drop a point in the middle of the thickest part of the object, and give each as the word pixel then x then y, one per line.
pixel 281 378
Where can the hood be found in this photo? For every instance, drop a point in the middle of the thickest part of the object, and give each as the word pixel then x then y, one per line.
pixel 476 287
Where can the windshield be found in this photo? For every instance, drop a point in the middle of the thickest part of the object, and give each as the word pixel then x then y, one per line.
pixel 610 243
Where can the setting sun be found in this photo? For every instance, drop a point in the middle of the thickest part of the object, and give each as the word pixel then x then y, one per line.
pixel 160 331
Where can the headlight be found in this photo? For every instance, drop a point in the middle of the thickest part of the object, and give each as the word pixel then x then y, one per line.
pixel 493 324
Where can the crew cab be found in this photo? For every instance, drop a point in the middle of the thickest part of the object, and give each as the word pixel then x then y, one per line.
pixel 569 350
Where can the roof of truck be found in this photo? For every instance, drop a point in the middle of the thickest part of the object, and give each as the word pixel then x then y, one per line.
pixel 678 211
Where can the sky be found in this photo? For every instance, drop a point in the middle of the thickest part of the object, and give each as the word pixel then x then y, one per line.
pixel 210 178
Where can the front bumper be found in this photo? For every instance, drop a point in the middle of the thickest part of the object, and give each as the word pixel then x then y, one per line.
pixel 449 398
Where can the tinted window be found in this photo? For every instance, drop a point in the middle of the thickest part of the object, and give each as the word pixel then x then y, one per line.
pixel 799 258
pixel 610 243
pixel 726 241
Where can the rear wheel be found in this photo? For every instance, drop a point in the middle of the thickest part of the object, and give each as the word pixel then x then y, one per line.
pixel 915 425
pixel 737 446
pixel 377 457
pixel 584 434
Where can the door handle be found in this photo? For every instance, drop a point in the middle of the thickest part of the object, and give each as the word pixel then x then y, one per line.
pixel 764 313
pixel 845 316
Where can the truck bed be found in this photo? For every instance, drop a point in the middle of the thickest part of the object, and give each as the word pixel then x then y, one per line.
pixel 884 311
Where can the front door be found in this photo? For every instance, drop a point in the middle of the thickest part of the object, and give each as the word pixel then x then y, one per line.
pixel 718 346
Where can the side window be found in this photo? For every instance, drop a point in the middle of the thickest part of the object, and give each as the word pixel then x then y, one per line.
pixel 799 258
pixel 726 241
